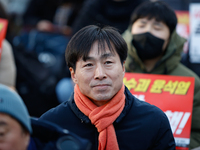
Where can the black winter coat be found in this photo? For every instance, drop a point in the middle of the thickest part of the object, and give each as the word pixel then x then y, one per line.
pixel 106 12
pixel 140 126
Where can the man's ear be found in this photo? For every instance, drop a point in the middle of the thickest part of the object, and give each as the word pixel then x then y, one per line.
pixel 123 67
pixel 73 75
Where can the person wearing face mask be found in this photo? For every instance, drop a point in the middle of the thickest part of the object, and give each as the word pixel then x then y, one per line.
pixel 154 47
pixel 101 109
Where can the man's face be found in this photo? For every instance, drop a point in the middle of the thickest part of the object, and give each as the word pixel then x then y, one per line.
pixel 156 28
pixel 100 77
pixel 12 137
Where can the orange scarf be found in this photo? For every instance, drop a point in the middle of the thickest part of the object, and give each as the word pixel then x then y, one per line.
pixel 102 117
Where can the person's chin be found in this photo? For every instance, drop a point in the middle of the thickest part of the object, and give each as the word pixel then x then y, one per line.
pixel 102 97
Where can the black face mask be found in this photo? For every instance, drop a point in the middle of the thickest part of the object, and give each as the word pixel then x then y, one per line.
pixel 147 45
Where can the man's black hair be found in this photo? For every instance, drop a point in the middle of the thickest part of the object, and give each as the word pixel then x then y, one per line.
pixel 80 44
pixel 158 10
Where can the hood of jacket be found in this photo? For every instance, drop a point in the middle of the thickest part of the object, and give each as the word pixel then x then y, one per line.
pixel 167 63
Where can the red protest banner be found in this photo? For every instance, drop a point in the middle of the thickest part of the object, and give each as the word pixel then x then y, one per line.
pixel 3 29
pixel 172 94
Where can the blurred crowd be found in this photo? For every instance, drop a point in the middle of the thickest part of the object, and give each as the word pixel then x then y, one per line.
pixel 38 33
pixel 33 52
pixel 37 36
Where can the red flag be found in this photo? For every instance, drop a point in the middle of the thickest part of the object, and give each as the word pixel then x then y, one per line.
pixel 3 29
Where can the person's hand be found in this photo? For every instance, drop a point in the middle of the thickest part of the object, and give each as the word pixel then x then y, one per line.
pixel 45 25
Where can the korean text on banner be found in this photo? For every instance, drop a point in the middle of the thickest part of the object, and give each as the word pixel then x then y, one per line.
pixel 167 93
pixel 3 29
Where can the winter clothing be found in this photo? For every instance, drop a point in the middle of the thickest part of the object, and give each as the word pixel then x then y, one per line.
pixel 102 117
pixel 7 65
pixel 12 104
pixel 169 64
pixel 134 126
pixel 38 10
pixel 106 12
pixel 49 136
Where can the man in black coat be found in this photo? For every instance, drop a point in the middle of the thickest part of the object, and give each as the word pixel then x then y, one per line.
pixel 102 109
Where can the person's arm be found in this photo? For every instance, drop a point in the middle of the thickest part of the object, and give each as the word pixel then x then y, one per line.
pixel 165 138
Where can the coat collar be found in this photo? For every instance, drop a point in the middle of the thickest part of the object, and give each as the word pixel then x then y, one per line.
pixel 85 119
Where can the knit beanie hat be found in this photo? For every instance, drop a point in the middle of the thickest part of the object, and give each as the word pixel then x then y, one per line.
pixel 12 104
